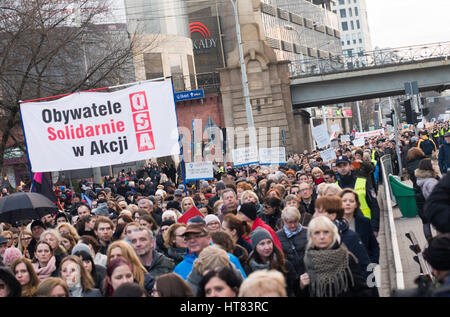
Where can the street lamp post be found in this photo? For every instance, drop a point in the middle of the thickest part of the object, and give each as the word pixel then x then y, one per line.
pixel 248 107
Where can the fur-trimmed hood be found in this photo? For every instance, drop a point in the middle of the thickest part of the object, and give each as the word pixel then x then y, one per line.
pixel 424 173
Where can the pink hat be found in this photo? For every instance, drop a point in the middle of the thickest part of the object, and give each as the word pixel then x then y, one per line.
pixel 10 255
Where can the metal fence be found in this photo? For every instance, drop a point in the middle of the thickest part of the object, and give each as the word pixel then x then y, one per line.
pixel 311 66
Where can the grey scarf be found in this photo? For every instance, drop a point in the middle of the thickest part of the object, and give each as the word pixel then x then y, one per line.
pixel 328 271
pixel 258 266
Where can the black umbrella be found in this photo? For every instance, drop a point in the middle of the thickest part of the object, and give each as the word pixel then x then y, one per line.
pixel 25 205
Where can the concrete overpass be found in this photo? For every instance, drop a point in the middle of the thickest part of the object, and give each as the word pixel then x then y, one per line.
pixel 382 80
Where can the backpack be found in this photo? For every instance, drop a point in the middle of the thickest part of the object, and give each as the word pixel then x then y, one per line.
pixel 427 147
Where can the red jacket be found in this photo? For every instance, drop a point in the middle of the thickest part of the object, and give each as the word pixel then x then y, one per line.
pixel 260 223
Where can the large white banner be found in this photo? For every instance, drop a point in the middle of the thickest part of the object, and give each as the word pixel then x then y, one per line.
pixel 245 156
pixel 272 156
pixel 321 135
pixel 368 134
pixel 92 129
pixel 199 170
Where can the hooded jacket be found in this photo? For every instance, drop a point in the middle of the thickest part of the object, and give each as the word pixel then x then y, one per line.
pixel 426 180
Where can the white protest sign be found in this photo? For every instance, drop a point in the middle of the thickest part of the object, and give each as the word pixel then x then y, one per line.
pixel 359 142
pixel 328 155
pixel 392 136
pixel 92 129
pixel 368 134
pixel 321 135
pixel 245 156
pixel 272 156
pixel 335 128
pixel 199 170
pixel 345 138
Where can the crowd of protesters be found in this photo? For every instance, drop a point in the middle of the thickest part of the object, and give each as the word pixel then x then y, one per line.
pixel 307 228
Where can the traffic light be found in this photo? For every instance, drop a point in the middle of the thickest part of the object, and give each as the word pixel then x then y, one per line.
pixel 411 117
pixel 390 116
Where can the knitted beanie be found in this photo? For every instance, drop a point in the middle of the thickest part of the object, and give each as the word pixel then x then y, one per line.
pixel 249 209
pixel 258 235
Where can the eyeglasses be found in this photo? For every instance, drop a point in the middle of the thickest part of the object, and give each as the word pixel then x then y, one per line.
pixel 27 238
pixel 194 237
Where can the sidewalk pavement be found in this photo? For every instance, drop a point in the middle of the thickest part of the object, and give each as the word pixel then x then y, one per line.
pixel 411 268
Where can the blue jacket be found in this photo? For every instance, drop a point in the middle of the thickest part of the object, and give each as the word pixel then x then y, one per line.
pixel 354 244
pixel 444 157
pixel 363 227
pixel 185 267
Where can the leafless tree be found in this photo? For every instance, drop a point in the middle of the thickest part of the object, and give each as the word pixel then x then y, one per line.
pixel 53 47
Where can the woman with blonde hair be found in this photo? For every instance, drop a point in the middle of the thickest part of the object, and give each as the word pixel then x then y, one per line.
pixel 186 204
pixel 122 249
pixel 26 275
pixel 317 175
pixel 264 283
pixel 331 269
pixel 77 278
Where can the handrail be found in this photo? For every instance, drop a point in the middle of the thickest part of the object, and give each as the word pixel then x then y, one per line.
pixel 395 249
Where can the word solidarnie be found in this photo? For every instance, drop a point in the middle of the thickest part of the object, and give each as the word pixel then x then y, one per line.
pixel 72 131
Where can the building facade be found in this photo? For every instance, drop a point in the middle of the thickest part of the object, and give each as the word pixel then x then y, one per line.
pixel 354 26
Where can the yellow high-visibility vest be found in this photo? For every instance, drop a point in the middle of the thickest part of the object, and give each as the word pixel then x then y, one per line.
pixel 360 189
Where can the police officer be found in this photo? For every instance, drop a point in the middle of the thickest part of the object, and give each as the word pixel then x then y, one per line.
pixel 436 135
pixel 366 193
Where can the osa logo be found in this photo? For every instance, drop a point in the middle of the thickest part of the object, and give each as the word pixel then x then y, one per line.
pixel 200 28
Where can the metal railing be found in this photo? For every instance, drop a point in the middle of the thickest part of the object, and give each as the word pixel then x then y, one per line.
pixel 311 66
pixel 400 283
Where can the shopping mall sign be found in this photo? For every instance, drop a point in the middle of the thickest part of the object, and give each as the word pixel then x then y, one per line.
pixel 202 40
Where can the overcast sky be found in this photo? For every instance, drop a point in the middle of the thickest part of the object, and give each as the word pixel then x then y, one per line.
pixel 398 23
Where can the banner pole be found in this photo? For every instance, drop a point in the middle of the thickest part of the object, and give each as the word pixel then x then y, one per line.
pixel 179 139
pixel 26 148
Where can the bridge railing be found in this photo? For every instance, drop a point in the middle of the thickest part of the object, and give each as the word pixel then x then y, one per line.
pixel 311 66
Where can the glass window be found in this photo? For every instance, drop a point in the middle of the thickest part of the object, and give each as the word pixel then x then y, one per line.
pixel 343 13
pixel 341 2
pixel 350 12
pixel 352 25
pixel 356 11
pixel 344 26
pixel 343 43
pixel 358 26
